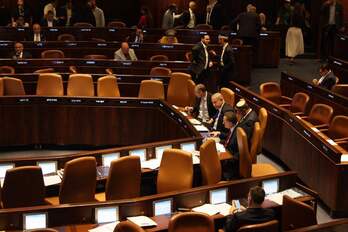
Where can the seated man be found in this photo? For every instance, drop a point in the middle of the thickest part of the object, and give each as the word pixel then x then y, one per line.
pixel 203 108
pixel 20 22
pixel 222 107
pixel 169 38
pixel 49 20
pixel 254 213
pixel 19 52
pixel 125 53
pixel 37 35
pixel 328 78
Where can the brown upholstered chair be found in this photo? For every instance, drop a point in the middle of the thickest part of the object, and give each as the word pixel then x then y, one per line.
pixel 7 70
pixel 178 90
pixel 185 222
pixel 117 24
pixel 298 104
pixel 228 95
pixel 225 28
pixel 107 87
pixel 160 71
pixel 237 42
pixel 188 56
pixel 95 57
pixel 80 85
pixel 263 118
pixel 79 181
pixel 50 84
pixel 44 70
pixel 338 129
pixel 175 172
pixel 271 226
pixel 272 92
pixel 99 40
pixel 210 163
pixel 159 58
pixel 151 89
pixel 23 187
pixel 81 24
pixel 296 214
pixel 66 38
pixel 203 27
pixel 1 87
pixel 341 89
pixel 52 54
pixel 320 115
pixel 191 91
pixel 42 230
pixel 127 226
pixel 13 86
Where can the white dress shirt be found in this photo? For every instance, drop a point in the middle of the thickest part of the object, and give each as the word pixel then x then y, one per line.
pixel 332 14
pixel 192 21
pixel 222 54
pixel 37 38
pixel 217 117
pixel 206 56
pixel 323 77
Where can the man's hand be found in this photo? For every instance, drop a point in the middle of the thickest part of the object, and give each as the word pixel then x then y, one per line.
pixel 188 109
pixel 215 133
pixel 211 64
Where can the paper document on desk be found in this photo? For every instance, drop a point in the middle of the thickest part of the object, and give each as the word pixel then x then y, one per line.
pixel 151 164
pixel 278 197
pixel 52 180
pixel 224 208
pixel 207 209
pixel 194 121
pixel 105 228
pixel 142 221
pixel 195 159
pixel 220 147
pixel 201 128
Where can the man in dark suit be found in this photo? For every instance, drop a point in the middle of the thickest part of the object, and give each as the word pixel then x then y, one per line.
pixel 254 213
pixel 19 52
pixel 37 35
pixel 82 13
pixel 226 61
pixel 327 79
pixel 249 26
pixel 222 107
pixel 203 108
pixel 331 22
pixel 200 63
pixel 49 20
pixel 216 17
pixel 188 17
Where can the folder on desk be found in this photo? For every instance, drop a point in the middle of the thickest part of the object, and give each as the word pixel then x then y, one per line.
pixel 142 221
pixel 52 180
pixel 105 228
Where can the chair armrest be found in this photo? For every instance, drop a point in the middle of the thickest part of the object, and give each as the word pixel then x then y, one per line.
pixel 287 106
pixel 322 126
pixel 342 140
pixel 285 100
pixel 301 114
pixel 304 117
pixel 324 130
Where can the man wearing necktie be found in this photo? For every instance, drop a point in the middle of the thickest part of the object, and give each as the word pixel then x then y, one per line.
pixel 125 53
pixel 37 34
pixel 188 17
pixel 227 61
pixel 222 107
pixel 19 52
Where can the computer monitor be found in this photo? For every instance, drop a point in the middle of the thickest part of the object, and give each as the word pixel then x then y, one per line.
pixel 160 150
pixel 218 196
pixel 189 147
pixel 163 207
pixel 106 214
pixel 270 186
pixel 4 168
pixel 34 221
pixel 108 158
pixel 48 167
pixel 139 152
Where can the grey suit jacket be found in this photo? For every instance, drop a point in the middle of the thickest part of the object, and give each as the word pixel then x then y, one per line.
pixel 120 56
pixel 168 20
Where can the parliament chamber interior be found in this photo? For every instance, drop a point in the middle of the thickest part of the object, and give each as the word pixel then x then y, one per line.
pixel 174 115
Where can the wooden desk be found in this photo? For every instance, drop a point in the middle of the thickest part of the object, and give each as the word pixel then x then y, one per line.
pixel 340 68
pixel 337 226
pixel 340 47
pixel 303 150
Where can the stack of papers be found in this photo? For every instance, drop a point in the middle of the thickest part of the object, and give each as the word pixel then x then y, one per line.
pixel 220 147
pixel 278 197
pixel 194 121
pixel 201 128
pixel 142 221
pixel 195 159
pixel 211 210
pixel 151 164
pixel 52 180
pixel 105 228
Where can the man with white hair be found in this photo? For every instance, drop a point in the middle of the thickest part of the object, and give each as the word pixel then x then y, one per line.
pixel 188 17
pixel 222 107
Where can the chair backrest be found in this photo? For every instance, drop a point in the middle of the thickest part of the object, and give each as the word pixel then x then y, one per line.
pixel 66 37
pixel 44 70
pixel 204 27
pixel 13 86
pixel 117 24
pixel 151 89
pixel 255 142
pixel 52 54
pixel 79 181
pixel 127 226
pixel 225 28
pixel 95 57
pixel 296 214
pixel 237 42
pixel 159 58
pixel 191 90
pixel 124 179
pixel 338 127
pixel 299 103
pixel 263 118
pixel 80 85
pixel 42 230
pixel 7 70
pixel 271 91
pixel 81 24
pixel 341 89
pixel 271 226
pixel 188 56
pixel 1 87
pixel 245 162
pixel 50 84
pixel 107 87
pixel 186 222
pixel 177 93
pixel 73 69
pixel 160 71
pixel 210 163
pixel 320 114
pixel 175 172
pixel 228 95
pixel 23 187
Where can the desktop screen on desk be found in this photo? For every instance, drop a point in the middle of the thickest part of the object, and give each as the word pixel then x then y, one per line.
pixel 139 152
pixel 218 196
pixel 189 147
pixel 106 215
pixel 108 158
pixel 160 150
pixel 162 207
pixel 34 221
pixel 270 186
pixel 4 168
pixel 48 167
